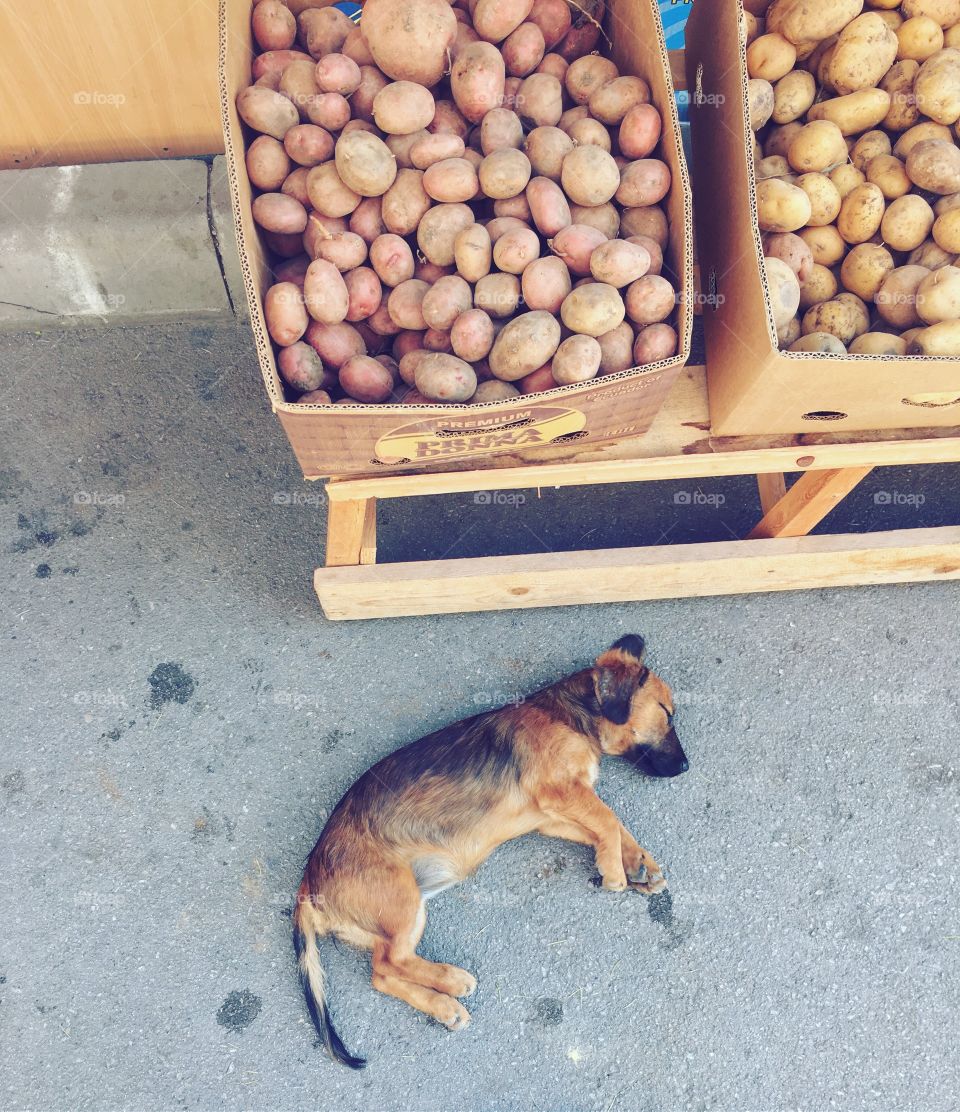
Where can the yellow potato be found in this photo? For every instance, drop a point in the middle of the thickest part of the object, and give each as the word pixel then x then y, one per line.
pixel 858 307
pixel 937 87
pixel 919 38
pixel 934 165
pixel 864 52
pixel 775 166
pixel 472 252
pixel 854 112
pixel 846 178
pixel 931 255
pixel 439 228
pixel 865 268
pixel 868 147
pixel 770 57
pixel 806 21
pixel 861 213
pixel 781 207
pixel 790 332
pixel 945 12
pixel 525 344
pixel 946 231
pixel 825 199
pixel 778 139
pixel 898 82
pixel 784 291
pixel 497 294
pixel 906 223
pixel 878 343
pixel 817 147
pixel 760 101
pixel 819 341
pixel 937 340
pixel 918 134
pixel 938 296
pixel 826 244
pixel 887 172
pixel 504 173
pixel 594 308
pixel 836 317
pixel 897 297
pixel 820 285
pixel 365 163
pixel 792 96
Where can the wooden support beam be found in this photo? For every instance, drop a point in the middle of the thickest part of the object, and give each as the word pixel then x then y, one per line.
pixel 808 502
pixel 772 488
pixel 351 526
pixel 633 574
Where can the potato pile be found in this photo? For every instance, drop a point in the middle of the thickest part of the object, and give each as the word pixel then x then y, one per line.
pixel 855 118
pixel 465 202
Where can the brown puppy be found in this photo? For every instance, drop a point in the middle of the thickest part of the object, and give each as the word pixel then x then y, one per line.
pixel 425 817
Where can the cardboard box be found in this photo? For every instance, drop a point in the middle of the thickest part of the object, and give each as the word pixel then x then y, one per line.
pixel 364 439
pixel 753 386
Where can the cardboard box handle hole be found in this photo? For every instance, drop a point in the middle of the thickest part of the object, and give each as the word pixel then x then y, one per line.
pixel 825 415
pixel 932 401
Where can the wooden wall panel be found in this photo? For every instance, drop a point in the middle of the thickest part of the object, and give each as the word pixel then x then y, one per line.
pixel 107 80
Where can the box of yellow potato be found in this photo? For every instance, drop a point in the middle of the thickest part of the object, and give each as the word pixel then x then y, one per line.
pixel 388 340
pixel 827 200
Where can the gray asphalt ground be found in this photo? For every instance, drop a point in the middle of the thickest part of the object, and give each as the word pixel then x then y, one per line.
pixel 178 718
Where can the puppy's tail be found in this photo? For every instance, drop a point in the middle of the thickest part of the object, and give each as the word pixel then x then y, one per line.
pixel 305 931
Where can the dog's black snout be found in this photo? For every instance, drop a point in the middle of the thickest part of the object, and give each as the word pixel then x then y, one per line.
pixel 684 765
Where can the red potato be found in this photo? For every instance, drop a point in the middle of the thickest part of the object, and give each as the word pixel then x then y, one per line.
pixel 335 343
pixel 644 182
pixel 500 225
pixel 410 41
pixel 381 323
pixel 435 339
pixel 499 129
pixel 548 206
pixel 403 344
pixel 392 259
pixel 555 65
pixel 616 349
pixel 375 343
pixel 429 149
pixel 365 163
pixel 605 218
pixel 648 221
pixel 538 380
pixel 320 228
pixel 618 262
pixel 276 61
pixel 364 293
pixel 323 31
pixel 590 132
pixel 553 17
pixel 451 180
pixel 328 193
pixel 577 359
pixel 493 390
pixel 336 73
pixel 292 270
pixel 438 230
pixel 473 252
pixel 447 120
pixel 524 344
pixel 268 164
pixel 653 249
pixel 611 102
pixel 539 101
pixel 547 147
pixel 325 292
pixel 330 110
pixel 640 131
pixel 514 206
pixel 278 212
pixel 523 50
pixel 464 37
pixel 445 378
pixel 579 41
pixel 511 86
pixel 513 252
pixel 589 176
pixel 472 335
pixel 295 185
pixel 365 379
pixel 592 308
pixel 286 246
pixel 494 20
pixel 411 359
pixel 476 80
pixel 403 107
pixel 269 81
pixel 266 111
pixel 497 294
pixel 405 304
pixel 308 145
pixel 445 300
pixel 574 245
pixel 571 115
pixel 298 84
pixel 315 397
pixel 366 220
pixel 429 272
pixel 301 367
pixel 405 203
pixel 650 299
pixel 355 46
pixel 504 174
pixel 274 26
pixel 371 82
pixel 391 364
pixel 585 75
pixel 545 283
pixel 653 343
pixel 285 313
pixel 345 250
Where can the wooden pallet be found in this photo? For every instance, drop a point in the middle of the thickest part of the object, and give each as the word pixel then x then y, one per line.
pixel 778 555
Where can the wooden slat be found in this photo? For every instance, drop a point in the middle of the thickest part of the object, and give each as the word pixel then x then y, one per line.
pixel 347 526
pixel 771 488
pixel 633 574
pixel 368 537
pixel 107 80
pixel 808 502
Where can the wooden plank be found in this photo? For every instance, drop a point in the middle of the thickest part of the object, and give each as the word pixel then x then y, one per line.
pixel 368 537
pixel 106 80
pixel 347 527
pixel 634 574
pixel 771 488
pixel 808 502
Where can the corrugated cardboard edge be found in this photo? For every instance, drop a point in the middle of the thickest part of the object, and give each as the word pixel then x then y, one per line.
pixel 249 247
pixel 772 369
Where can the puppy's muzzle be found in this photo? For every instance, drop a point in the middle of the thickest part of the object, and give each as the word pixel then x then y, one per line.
pixel 665 759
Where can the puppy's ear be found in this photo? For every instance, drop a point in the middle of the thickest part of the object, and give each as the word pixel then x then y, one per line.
pixel 617 675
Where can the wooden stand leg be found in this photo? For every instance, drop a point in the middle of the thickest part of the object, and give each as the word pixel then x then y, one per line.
pixel 351 532
pixel 772 488
pixel 808 502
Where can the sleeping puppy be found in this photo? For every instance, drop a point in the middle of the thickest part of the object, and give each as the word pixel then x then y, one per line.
pixel 429 814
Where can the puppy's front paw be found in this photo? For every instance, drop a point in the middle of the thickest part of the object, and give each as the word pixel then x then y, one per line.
pixel 452 1014
pixel 609 884
pixel 648 880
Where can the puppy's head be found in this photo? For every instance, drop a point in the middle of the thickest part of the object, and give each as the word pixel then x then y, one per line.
pixel 636 710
